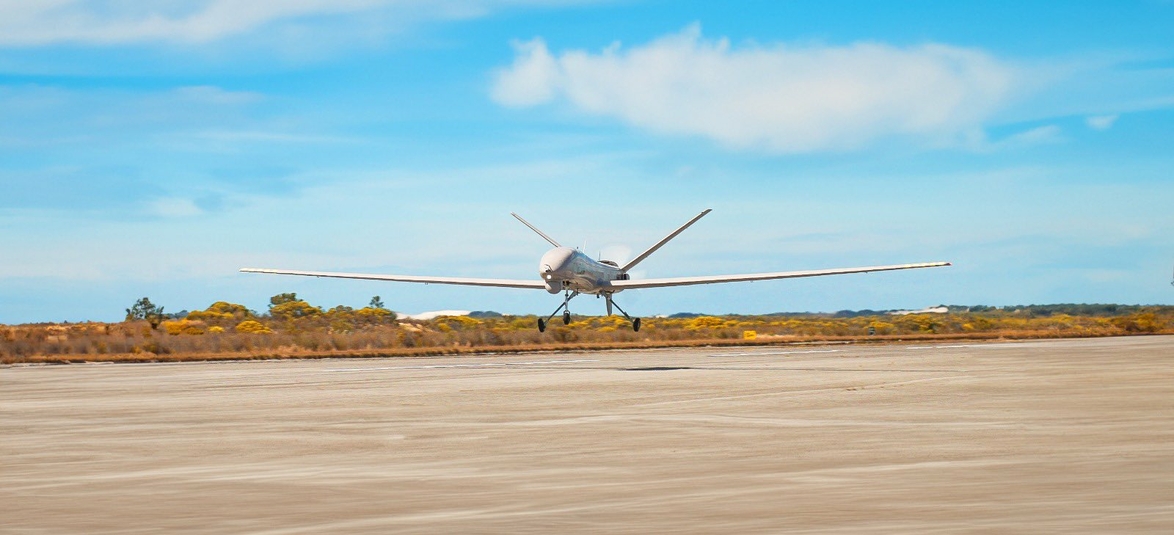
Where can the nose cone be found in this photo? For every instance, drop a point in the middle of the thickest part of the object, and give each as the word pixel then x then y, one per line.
pixel 555 260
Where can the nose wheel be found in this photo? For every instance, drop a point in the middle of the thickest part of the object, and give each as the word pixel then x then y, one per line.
pixel 565 307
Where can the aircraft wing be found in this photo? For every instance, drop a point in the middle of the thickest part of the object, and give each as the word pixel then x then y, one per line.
pixel 501 283
pixel 715 279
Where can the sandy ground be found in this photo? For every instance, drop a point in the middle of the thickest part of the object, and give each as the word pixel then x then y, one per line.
pixel 1030 437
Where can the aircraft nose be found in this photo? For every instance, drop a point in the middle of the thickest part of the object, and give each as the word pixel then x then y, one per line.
pixel 555 260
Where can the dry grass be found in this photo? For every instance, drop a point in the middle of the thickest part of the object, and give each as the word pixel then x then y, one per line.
pixel 217 338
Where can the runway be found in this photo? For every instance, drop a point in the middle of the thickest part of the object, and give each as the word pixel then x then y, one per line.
pixel 1040 436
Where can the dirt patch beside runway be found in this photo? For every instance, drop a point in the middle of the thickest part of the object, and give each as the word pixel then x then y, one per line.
pixel 1072 435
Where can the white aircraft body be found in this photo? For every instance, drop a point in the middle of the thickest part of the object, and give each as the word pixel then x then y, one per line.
pixel 571 272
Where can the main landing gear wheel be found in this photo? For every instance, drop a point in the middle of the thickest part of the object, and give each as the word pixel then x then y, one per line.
pixel 610 304
pixel 541 325
pixel 566 318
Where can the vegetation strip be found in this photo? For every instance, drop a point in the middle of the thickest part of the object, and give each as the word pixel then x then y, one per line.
pixel 293 328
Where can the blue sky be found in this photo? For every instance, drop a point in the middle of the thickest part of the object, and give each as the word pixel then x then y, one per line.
pixel 152 149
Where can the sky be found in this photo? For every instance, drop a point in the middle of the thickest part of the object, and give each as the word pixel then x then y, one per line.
pixel 154 148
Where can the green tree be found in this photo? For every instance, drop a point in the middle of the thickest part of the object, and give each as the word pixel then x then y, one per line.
pixel 376 302
pixel 144 309
pixel 341 318
pixel 281 299
pixel 288 306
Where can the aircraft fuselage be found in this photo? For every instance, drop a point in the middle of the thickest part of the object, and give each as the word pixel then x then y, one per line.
pixel 564 268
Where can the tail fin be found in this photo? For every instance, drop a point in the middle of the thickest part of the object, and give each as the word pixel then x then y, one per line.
pixel 535 229
pixel 660 243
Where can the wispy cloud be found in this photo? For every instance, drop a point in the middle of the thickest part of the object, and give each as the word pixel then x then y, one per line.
pixel 114 22
pixel 1101 122
pixel 174 207
pixel 1040 135
pixel 1097 86
pixel 207 94
pixel 105 22
pixel 780 98
pixel 260 136
pixel 38 115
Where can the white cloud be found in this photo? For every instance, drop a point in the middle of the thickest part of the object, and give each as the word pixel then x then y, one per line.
pixel 104 22
pixel 108 22
pixel 780 98
pixel 1101 122
pixel 531 80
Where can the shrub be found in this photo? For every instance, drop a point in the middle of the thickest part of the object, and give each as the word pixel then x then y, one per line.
pixel 295 309
pixel 456 323
pixel 376 314
pixel 209 315
pixel 705 322
pixel 253 327
pixel 233 309
pixel 183 326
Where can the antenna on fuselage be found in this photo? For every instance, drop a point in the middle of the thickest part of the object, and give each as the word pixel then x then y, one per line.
pixel 660 243
pixel 535 229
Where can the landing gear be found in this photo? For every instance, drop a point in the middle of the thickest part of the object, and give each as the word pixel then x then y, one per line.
pixel 566 310
pixel 565 307
pixel 610 304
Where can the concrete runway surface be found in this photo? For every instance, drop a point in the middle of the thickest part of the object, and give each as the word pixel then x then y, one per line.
pixel 1034 437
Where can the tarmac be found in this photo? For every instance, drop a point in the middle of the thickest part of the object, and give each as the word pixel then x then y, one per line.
pixel 1031 437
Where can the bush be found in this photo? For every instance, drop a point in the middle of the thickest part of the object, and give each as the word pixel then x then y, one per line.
pixel 377 315
pixel 295 309
pixel 253 327
pixel 183 326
